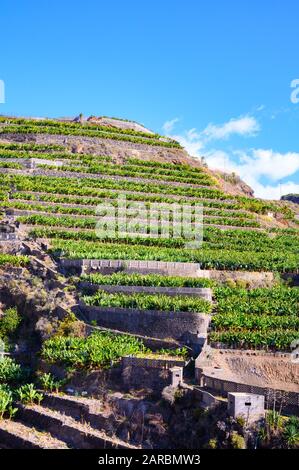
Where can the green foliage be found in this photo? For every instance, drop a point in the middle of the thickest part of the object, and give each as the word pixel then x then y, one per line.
pixel 257 318
pixel 49 384
pixel 178 352
pixel 279 340
pixel 28 395
pixel 149 302
pixel 237 441
pixel 150 280
pixel 135 171
pixel 11 165
pixel 209 259
pixel 99 350
pixel 29 147
pixel 13 260
pixel 291 436
pixel 9 322
pixel 276 301
pixel 5 402
pixel 10 372
pixel 58 128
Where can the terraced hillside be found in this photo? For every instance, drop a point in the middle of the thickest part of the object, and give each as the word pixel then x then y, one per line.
pixel 236 291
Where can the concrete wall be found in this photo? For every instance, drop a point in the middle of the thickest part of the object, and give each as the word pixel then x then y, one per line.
pixel 128 266
pixel 156 324
pixel 248 405
pixel 288 401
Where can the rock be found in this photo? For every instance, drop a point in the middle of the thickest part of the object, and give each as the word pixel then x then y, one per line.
pixel 291 197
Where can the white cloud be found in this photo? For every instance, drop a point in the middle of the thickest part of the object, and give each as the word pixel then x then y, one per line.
pixel 275 192
pixel 193 144
pixel 168 126
pixel 258 163
pixel 194 141
pixel 261 108
pixel 252 166
pixel 243 126
pixel 272 165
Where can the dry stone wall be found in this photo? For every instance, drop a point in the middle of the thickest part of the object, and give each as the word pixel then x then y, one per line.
pixel 152 374
pixel 155 324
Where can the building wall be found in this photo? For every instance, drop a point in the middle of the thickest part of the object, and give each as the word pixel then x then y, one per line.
pixel 238 405
pixel 288 401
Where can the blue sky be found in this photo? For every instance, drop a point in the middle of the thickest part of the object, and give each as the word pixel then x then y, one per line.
pixel 217 75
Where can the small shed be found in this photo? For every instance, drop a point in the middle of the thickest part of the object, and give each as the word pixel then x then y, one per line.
pixel 247 405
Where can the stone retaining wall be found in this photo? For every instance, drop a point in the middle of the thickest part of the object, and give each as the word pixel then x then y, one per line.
pixel 250 352
pixel 154 344
pixel 155 324
pixel 102 147
pixel 145 373
pixel 256 279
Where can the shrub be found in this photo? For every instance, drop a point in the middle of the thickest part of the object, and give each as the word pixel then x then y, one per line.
pixel 9 322
pixel 237 441
pixel 11 372
pixel 49 384
pixel 28 395
pixel 5 401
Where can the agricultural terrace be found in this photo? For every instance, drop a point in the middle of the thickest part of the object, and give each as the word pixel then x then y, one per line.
pixel 57 199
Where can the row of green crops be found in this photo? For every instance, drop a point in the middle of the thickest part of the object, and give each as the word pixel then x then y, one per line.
pixel 11 165
pixel 259 339
pixel 60 196
pixel 167 169
pixel 76 125
pixel 95 187
pixel 114 170
pixel 211 240
pixel 30 147
pixel 209 259
pixel 276 301
pixel 242 240
pixel 98 350
pixel 149 302
pixel 33 128
pixel 91 236
pixel 240 321
pixel 139 227
pixel 75 158
pixel 88 186
pixel 259 318
pixel 91 186
pixel 13 260
pixel 78 209
pixel 150 280
pixel 179 173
